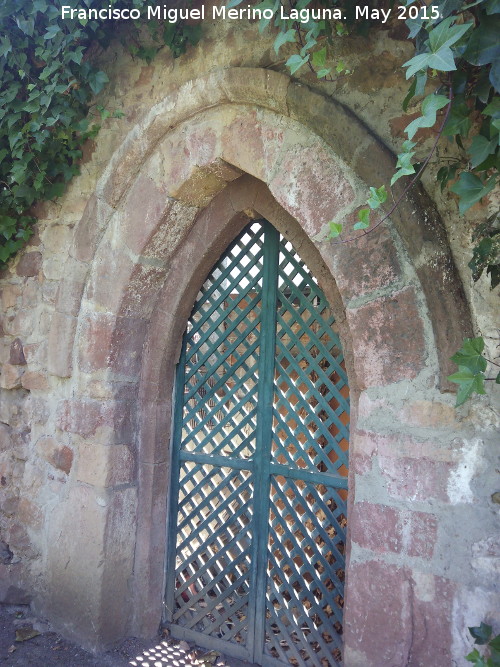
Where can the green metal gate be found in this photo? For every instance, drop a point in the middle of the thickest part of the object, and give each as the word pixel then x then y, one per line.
pixel 257 513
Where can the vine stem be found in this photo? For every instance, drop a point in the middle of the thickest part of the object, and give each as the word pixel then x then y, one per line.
pixel 410 184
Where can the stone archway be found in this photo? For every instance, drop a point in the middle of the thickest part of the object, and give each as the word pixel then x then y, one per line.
pixel 224 148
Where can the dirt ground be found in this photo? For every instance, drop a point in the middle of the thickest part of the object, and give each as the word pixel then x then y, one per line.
pixel 26 641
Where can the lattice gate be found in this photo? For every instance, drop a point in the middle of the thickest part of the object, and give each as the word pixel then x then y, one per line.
pixel 259 471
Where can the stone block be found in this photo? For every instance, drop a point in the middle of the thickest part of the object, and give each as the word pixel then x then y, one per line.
pixel 32 380
pixel 377 627
pixel 59 456
pixel 9 295
pixel 388 339
pixel 421 538
pixel 60 344
pixel 376 527
pixel 367 264
pixel 105 466
pixel 430 414
pixel 17 357
pixel 29 265
pixel 311 185
pixel 10 376
pixel 416 479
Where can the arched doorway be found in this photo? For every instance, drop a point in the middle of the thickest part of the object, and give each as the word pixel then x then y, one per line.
pixel 259 470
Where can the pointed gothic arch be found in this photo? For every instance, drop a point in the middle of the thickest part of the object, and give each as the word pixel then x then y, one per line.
pixel 218 152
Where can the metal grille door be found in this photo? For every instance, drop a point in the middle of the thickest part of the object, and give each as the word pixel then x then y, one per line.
pixel 259 472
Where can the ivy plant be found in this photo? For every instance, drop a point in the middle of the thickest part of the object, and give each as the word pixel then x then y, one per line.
pixel 471 368
pixel 48 81
pixel 483 637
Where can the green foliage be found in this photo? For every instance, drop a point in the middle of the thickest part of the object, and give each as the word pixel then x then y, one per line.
pixel 457 47
pixel 471 367
pixel 483 636
pixel 47 83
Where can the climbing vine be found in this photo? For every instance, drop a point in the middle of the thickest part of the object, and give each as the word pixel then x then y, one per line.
pixel 48 79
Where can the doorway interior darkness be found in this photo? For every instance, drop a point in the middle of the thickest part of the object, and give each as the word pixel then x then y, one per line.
pixel 257 518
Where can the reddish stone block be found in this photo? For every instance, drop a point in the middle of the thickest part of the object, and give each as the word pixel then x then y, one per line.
pixel 59 456
pixel 109 342
pixel 388 339
pixel 29 265
pixel 60 344
pixel 416 478
pixel 86 233
pixel 85 417
pixel 422 535
pixel 108 283
pixel 10 377
pixel 17 357
pixel 377 628
pixel 430 414
pixel 147 206
pixel 311 186
pixel 376 527
pixel 433 620
pixel 34 381
pixel 354 263
pixel 105 465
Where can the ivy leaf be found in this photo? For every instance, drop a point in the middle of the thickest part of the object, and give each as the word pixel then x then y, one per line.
pixel 475 657
pixel 5 46
pixel 321 73
pixel 97 81
pixel 430 106
pixel 480 148
pixel 470 355
pixel 377 197
pixel 364 219
pixel 471 189
pixel 319 57
pixel 459 121
pixel 445 34
pixel 484 45
pixel 283 38
pixel 482 633
pixel 335 229
pixel 52 31
pixel 468 383
pixel 484 254
pixel 295 62
pixel 442 60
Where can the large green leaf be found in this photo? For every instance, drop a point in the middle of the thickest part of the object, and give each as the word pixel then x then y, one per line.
pixel 470 355
pixel 430 107
pixel 470 188
pixel 445 34
pixel 468 384
pixel 484 44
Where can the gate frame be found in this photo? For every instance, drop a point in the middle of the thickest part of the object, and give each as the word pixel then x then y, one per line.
pixel 172 198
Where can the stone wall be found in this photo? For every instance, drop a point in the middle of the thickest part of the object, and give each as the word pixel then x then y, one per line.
pixel 94 308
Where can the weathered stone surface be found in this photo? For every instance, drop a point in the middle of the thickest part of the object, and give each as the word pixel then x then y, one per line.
pixel 366 265
pixel 377 629
pixel 376 527
pixel 17 357
pixel 29 265
pixel 60 344
pixel 416 479
pixel 10 376
pixel 32 380
pixel 390 345
pixel 105 465
pixel 59 456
